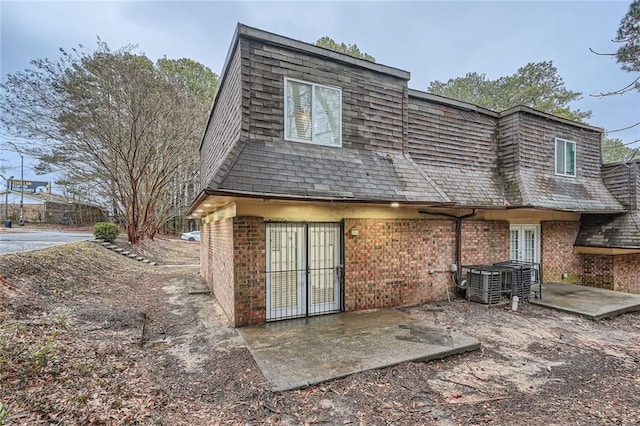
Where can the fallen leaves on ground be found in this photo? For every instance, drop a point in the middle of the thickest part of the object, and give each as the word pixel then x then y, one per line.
pixel 90 337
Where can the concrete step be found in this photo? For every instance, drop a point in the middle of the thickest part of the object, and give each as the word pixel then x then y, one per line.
pixel 130 254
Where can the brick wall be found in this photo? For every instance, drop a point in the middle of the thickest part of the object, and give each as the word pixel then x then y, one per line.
pixel 627 273
pixel 388 262
pixel 484 242
pixel 218 263
pixel 53 213
pixel 613 272
pixel 557 253
pixel 250 263
pixel 598 270
pixel 205 244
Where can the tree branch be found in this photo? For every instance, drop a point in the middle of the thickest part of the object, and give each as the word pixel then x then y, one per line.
pixel 625 128
pixel 602 54
pixel 625 89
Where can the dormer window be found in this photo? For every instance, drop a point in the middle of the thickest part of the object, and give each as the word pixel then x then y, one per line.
pixel 312 113
pixel 565 157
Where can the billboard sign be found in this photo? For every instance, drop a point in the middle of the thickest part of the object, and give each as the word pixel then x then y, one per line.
pixel 30 186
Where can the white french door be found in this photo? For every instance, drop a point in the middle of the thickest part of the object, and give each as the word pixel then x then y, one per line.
pixel 525 243
pixel 303 269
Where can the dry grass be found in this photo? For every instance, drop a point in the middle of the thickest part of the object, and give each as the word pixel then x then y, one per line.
pixel 91 337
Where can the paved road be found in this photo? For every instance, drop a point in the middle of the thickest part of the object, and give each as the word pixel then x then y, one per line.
pixel 26 240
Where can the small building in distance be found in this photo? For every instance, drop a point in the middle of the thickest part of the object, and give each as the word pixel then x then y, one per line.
pixel 42 207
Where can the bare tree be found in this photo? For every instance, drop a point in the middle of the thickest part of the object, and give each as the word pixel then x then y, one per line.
pixel 113 118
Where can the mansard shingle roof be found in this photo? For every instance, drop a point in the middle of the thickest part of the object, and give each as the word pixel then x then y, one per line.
pixel 561 193
pixel 301 170
pixel 261 164
pixel 620 231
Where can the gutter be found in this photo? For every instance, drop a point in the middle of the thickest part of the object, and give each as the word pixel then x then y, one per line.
pixel 456 269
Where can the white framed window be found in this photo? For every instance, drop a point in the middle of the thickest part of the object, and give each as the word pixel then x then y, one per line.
pixel 565 157
pixel 312 113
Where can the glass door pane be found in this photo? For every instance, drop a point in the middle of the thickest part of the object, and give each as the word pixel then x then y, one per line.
pixel 514 249
pixel 285 271
pixel 524 245
pixel 324 257
pixel 529 245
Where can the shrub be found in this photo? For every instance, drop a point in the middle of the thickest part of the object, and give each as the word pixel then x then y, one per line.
pixel 106 231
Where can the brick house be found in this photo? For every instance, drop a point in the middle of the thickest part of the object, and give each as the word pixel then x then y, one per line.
pixel 609 245
pixel 42 207
pixel 331 186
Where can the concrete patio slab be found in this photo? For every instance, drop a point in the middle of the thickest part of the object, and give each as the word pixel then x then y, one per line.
pixel 591 302
pixel 297 353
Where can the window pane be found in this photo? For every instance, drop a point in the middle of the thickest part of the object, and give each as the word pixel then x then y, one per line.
pixel 529 245
pixel 560 157
pixel 298 124
pixel 571 158
pixel 326 116
pixel 514 249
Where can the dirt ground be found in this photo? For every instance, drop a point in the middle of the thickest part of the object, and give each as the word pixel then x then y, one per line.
pixel 90 337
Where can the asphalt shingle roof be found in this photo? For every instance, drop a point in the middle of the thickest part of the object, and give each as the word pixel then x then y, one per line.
pixel 314 171
pixel 620 231
pixel 527 187
pixel 468 186
pixel 291 169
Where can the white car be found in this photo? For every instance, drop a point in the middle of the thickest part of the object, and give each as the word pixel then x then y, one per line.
pixel 191 236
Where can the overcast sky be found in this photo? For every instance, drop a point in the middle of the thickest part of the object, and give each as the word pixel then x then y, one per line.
pixel 432 40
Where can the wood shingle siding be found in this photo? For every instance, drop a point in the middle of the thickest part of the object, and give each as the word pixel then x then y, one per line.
pixel 619 231
pixel 398 144
pixel 448 137
pixel 537 146
pixel 526 144
pixel 623 180
pixel 457 149
pixel 372 103
pixel 223 130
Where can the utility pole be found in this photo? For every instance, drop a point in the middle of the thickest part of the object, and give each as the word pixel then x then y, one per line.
pixel 6 200
pixel 21 221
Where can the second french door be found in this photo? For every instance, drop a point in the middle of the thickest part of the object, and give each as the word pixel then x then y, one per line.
pixel 304 269
pixel 525 245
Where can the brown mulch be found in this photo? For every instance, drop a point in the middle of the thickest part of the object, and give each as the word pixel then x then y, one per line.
pixel 90 337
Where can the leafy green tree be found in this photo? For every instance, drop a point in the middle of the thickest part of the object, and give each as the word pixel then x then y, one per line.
pixel 536 85
pixel 114 118
pixel 628 55
pixel 192 76
pixel 349 49
pixel 614 150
